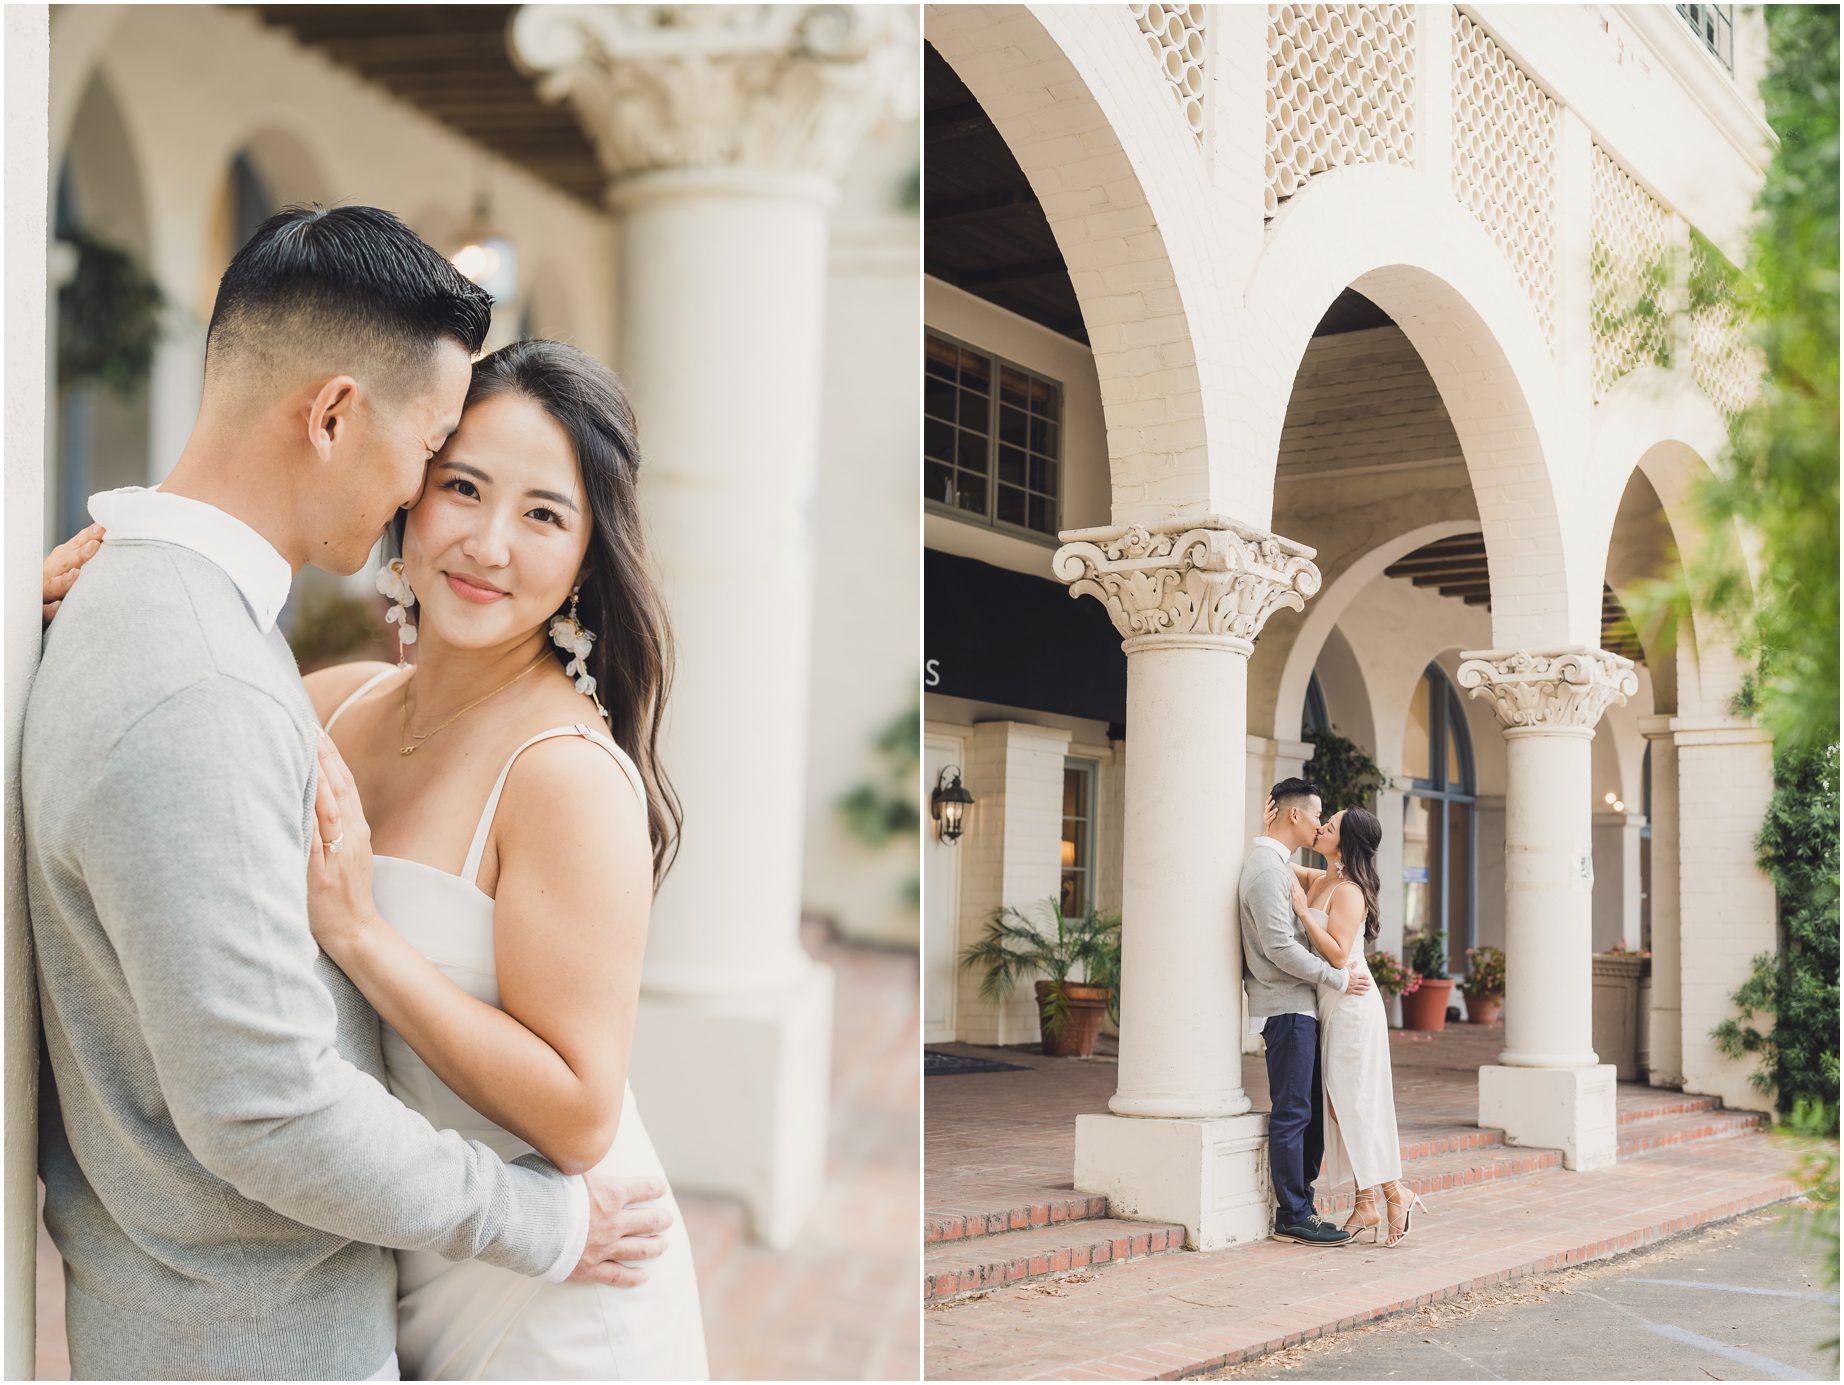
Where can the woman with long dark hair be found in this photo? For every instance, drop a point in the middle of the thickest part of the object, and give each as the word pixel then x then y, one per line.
pixel 1338 907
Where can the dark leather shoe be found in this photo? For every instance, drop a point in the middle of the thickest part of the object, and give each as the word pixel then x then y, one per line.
pixel 1313 1232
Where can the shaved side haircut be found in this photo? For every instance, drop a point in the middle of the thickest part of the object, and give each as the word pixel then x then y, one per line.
pixel 338 291
pixel 1294 793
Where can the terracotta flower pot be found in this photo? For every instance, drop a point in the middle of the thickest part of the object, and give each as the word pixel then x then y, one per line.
pixel 1484 1009
pixel 1426 1008
pixel 1088 1009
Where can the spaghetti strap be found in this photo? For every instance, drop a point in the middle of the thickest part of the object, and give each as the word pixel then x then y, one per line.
pixel 357 693
pixel 477 849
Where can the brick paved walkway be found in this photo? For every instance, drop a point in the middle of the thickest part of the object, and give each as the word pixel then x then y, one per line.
pixel 840 1304
pixel 1003 1143
pixel 791 1314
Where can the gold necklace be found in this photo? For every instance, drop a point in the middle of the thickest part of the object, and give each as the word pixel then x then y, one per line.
pixel 411 744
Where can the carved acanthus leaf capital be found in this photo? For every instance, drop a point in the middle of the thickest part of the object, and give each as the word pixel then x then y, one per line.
pixel 1564 689
pixel 1204 575
pixel 786 89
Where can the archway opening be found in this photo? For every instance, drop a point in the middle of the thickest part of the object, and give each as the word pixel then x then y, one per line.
pixel 109 318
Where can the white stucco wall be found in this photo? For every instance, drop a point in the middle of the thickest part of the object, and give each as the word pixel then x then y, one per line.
pixel 27 48
pixel 866 516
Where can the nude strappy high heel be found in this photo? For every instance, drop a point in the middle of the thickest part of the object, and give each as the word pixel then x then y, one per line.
pixel 1399 1197
pixel 1365 1216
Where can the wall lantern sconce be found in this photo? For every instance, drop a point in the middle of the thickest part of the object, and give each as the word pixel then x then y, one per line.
pixel 948 805
pixel 1613 801
pixel 488 258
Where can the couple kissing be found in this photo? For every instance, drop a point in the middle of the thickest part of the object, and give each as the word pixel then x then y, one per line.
pixel 1311 997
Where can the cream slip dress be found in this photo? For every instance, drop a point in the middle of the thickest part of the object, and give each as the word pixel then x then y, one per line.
pixel 465 1320
pixel 1361 1142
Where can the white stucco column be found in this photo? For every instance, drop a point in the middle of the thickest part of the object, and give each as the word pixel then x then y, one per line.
pixel 1726 905
pixel 28 77
pixel 1616 878
pixel 1188 596
pixel 1665 1058
pixel 724 130
pixel 1547 1088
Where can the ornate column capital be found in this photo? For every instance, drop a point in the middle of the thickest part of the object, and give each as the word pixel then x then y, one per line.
pixel 1206 577
pixel 779 89
pixel 1562 690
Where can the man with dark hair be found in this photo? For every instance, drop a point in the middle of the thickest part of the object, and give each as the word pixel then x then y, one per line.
pixel 224 1167
pixel 1281 973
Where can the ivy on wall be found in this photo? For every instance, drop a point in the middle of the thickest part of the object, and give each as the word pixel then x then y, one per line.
pixel 108 317
pixel 1346 776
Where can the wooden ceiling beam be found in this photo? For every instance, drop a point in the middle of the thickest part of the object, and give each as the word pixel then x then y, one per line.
pixel 939 211
pixel 1408 567
pixel 1011 274
pixel 957 122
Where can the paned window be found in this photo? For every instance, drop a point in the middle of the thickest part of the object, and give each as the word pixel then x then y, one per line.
pixel 1078 893
pixel 1439 831
pixel 991 438
pixel 1314 718
pixel 1715 25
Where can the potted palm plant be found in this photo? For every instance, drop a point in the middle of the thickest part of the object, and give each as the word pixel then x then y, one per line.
pixel 1484 987
pixel 1426 1008
pixel 1080 959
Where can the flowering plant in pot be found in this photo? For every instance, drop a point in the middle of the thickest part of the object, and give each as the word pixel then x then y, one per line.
pixel 1426 1009
pixel 1080 958
pixel 1390 976
pixel 1484 987
pixel 1393 981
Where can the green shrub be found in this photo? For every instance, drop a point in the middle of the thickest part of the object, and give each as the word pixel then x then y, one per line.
pixel 1346 776
pixel 1798 986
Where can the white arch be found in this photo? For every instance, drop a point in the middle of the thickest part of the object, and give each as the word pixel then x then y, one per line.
pixel 1324 611
pixel 1127 196
pixel 79 34
pixel 1659 424
pixel 1399 239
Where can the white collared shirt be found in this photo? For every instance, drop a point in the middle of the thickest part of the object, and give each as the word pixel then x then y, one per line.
pixel 260 573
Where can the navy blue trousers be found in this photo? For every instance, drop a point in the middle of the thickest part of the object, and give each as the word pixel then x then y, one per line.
pixel 1296 1129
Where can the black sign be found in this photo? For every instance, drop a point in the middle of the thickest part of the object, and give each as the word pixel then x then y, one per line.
pixel 999 636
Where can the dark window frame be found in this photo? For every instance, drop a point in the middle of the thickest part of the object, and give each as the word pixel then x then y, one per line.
pixel 989 517
pixel 1715 26
pixel 1091 772
pixel 1446 712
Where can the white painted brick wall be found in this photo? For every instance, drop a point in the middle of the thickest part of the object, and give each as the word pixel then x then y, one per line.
pixel 1013 857
pixel 1726 905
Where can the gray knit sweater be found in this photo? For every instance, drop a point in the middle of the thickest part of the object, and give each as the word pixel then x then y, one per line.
pixel 1280 970
pixel 222 1162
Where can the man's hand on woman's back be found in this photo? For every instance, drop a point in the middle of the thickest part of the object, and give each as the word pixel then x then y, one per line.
pixel 623 1231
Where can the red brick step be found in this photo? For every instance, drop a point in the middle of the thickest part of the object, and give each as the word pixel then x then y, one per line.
pixel 1057 1206
pixel 1011 1257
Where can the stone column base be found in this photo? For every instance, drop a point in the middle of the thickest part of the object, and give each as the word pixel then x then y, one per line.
pixel 1211 1175
pixel 734 1091
pixel 1570 1109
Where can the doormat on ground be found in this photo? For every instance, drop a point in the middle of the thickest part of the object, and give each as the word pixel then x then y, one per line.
pixel 938 1064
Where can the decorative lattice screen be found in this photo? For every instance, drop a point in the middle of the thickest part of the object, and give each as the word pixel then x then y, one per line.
pixel 1628 275
pixel 1341 90
pixel 1504 160
pixel 1175 33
